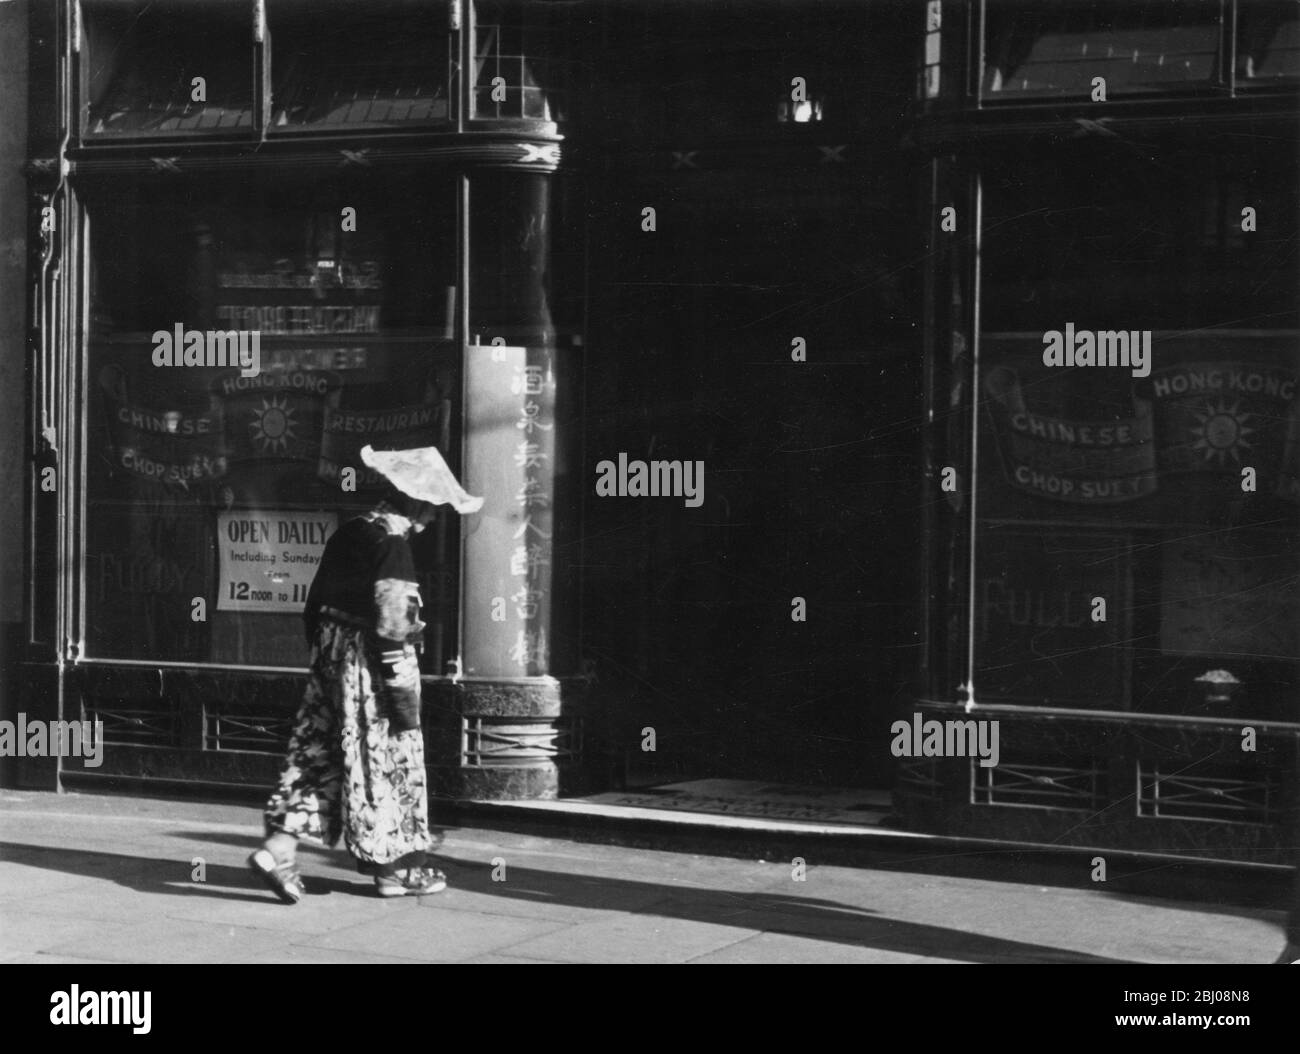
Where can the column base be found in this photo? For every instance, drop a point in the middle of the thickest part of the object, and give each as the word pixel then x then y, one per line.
pixel 507 740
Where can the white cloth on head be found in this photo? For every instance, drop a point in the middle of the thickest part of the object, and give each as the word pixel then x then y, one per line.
pixel 421 474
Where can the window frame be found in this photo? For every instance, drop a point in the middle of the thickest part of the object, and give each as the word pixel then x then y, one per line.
pixel 83 401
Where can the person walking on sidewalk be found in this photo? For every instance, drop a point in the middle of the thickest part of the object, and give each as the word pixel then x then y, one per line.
pixel 355 762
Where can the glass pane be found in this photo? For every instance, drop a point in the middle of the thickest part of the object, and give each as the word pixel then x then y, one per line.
pixel 1056 50
pixel 1138 540
pixel 1268 40
pixel 511 257
pixel 1151 237
pixel 521 60
pixel 220 481
pixel 381 64
pixel 167 71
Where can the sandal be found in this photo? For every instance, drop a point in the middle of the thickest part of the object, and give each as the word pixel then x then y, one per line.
pixel 413 882
pixel 281 879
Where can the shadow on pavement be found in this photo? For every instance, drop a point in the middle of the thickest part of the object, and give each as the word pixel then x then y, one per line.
pixel 774 913
pixel 162 875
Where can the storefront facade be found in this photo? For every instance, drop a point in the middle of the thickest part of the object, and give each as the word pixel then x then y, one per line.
pixel 430 257
pixel 544 235
pixel 266 234
pixel 1113 567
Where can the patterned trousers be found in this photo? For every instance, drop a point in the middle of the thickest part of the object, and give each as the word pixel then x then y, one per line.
pixel 344 775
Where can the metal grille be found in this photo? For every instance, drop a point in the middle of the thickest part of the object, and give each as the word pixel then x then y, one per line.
pixel 1036 786
pixel 251 733
pixel 1222 799
pixel 134 726
pixel 518 742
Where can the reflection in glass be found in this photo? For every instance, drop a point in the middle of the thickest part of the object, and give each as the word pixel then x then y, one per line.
pixel 155 71
pixel 204 483
pixel 519 63
pixel 1056 50
pixel 382 63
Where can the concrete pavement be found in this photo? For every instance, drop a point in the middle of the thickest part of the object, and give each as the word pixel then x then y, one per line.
pixel 98 878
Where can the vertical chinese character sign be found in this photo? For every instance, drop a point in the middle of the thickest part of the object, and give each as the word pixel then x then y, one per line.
pixel 510 460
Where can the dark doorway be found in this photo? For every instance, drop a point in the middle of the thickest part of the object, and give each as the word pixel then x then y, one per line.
pixel 767 138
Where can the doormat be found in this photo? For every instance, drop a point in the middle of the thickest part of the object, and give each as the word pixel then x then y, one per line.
pixel 775 801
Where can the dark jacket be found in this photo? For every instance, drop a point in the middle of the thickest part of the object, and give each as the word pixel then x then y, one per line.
pixel 366 578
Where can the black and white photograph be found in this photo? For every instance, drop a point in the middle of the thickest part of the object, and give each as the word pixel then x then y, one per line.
pixel 650 481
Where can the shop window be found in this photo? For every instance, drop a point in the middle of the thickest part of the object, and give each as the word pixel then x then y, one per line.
pixel 213 483
pixel 380 64
pixel 520 70
pixel 1035 50
pixel 1137 472
pixel 1170 238
pixel 154 70
pixel 1268 41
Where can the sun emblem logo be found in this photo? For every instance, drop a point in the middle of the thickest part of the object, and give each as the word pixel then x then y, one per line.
pixel 1221 432
pixel 273 425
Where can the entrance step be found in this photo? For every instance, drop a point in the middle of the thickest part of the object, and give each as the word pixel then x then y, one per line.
pixel 838 806
pixel 851 827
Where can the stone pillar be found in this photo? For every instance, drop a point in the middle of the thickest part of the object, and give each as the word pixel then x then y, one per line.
pixel 518 732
